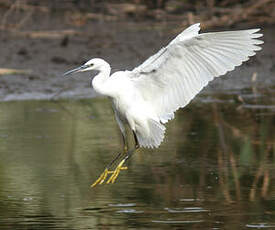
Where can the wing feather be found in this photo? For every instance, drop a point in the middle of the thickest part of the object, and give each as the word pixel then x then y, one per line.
pixel 172 77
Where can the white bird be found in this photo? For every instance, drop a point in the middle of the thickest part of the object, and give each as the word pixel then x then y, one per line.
pixel 148 96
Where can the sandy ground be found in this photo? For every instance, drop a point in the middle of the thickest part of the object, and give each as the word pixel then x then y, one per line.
pixel 123 44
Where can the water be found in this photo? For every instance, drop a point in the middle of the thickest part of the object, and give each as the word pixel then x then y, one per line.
pixel 215 170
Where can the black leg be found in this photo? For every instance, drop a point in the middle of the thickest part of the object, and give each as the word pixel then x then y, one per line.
pixel 125 146
pixel 113 161
pixel 120 166
pixel 130 153
pixel 105 173
pixel 126 152
pixel 125 149
pixel 136 140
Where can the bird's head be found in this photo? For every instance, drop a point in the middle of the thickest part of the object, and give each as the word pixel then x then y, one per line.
pixel 96 64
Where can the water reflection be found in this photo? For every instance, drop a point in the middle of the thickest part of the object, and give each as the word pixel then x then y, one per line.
pixel 215 169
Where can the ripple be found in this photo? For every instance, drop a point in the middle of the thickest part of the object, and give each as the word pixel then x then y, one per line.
pixel 92 209
pixel 190 200
pixel 248 106
pixel 260 225
pixel 27 198
pixel 188 209
pixel 130 211
pixel 177 221
pixel 122 205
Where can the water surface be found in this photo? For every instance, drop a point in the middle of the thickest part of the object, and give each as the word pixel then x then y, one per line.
pixel 215 170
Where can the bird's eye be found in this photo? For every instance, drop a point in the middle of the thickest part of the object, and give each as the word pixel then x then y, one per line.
pixel 91 64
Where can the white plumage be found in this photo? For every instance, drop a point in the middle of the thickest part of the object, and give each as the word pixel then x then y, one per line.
pixel 147 97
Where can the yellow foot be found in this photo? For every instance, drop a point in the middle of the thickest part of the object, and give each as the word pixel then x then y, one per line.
pixel 102 177
pixel 116 172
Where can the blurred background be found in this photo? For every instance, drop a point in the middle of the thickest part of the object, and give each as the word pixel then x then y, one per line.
pixel 42 39
pixel 216 167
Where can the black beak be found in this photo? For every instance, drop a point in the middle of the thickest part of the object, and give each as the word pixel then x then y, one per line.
pixel 75 70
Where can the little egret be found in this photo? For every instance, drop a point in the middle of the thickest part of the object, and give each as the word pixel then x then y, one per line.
pixel 147 97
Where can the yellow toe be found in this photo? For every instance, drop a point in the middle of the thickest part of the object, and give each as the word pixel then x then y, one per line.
pixel 113 177
pixel 101 178
pixel 116 172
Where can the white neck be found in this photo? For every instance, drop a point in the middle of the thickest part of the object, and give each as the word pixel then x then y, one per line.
pixel 100 79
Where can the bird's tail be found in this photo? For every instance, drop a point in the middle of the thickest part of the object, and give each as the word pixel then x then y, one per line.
pixel 155 137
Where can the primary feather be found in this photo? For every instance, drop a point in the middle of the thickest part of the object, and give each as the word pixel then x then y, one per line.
pixel 147 97
pixel 169 79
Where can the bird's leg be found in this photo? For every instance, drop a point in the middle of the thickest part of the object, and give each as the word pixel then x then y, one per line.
pixel 125 145
pixel 136 140
pixel 102 177
pixel 105 173
pixel 120 165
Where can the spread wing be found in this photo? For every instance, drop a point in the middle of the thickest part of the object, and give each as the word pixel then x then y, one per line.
pixel 169 79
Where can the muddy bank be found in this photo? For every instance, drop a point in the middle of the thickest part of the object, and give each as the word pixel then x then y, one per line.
pixel 56 47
